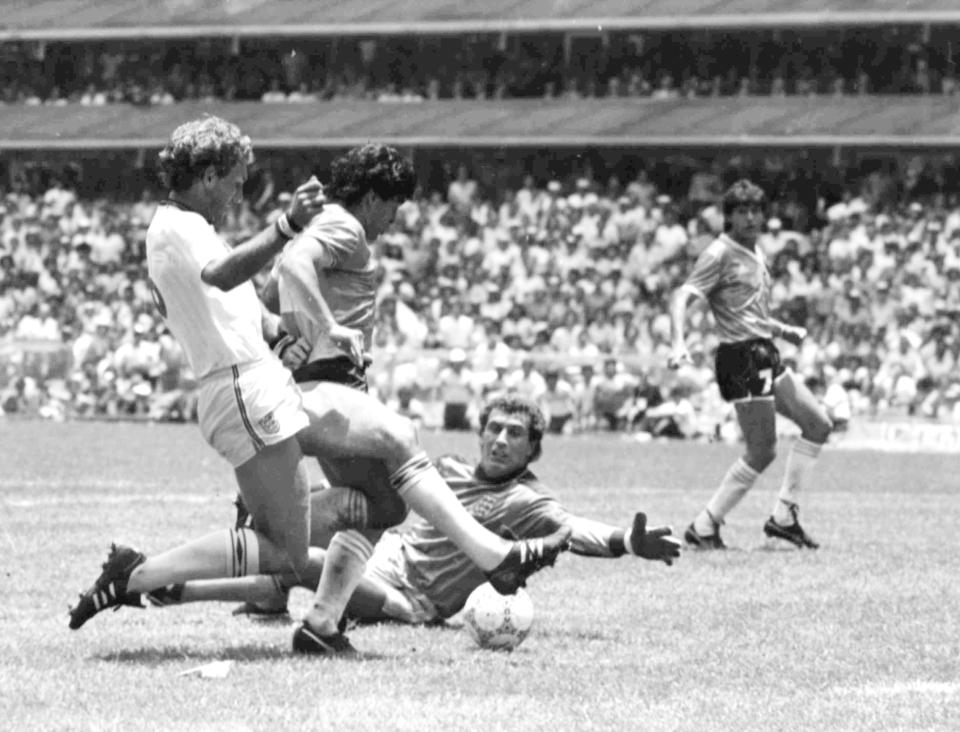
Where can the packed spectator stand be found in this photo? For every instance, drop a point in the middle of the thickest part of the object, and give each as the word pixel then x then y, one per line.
pixel 560 281
pixel 905 59
pixel 521 268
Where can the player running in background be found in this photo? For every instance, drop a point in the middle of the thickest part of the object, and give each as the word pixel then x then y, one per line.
pixel 731 275
pixel 251 411
pixel 417 575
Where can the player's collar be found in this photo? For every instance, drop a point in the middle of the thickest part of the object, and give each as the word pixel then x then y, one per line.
pixel 756 252
pixel 182 206
pixel 510 477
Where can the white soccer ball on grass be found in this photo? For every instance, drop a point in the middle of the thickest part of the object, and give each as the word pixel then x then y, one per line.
pixel 498 622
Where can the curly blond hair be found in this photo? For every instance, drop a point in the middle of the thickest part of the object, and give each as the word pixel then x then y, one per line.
pixel 195 146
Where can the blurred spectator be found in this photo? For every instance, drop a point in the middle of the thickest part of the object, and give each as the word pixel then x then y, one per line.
pixel 879 59
pixel 611 395
pixel 455 391
pixel 565 271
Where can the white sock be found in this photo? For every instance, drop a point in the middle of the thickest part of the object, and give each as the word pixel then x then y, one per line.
pixel 343 568
pixel 734 486
pixel 800 461
pixel 420 485
pixel 227 553
pixel 261 588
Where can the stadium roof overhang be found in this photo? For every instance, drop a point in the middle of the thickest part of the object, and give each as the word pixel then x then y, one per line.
pixel 739 122
pixel 99 19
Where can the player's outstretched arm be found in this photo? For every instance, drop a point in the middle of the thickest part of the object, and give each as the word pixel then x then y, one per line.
pixel 248 258
pixel 597 539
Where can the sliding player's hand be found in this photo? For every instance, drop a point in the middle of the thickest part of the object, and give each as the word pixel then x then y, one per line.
pixel 793 334
pixel 307 202
pixel 657 544
pixel 349 340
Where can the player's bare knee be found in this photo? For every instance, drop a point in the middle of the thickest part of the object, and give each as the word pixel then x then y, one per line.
pixel 818 431
pixel 388 512
pixel 759 457
pixel 399 440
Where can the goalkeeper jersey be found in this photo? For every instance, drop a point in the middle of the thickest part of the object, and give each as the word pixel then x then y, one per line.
pixel 438 568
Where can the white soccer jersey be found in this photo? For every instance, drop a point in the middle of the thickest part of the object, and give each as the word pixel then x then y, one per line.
pixel 217 329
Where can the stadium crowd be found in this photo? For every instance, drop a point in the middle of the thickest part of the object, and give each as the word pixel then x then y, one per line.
pixel 556 289
pixel 887 59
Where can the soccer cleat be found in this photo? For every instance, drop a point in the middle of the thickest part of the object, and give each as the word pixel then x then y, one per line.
pixel 110 589
pixel 526 557
pixel 308 642
pixel 706 542
pixel 793 532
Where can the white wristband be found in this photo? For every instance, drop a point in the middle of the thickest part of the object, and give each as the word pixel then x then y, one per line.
pixel 284 227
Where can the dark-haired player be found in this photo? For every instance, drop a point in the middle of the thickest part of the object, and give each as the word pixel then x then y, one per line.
pixel 731 275
pixel 326 291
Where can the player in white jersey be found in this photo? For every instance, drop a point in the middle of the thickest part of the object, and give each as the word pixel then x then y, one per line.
pixel 249 408
pixel 418 575
pixel 731 275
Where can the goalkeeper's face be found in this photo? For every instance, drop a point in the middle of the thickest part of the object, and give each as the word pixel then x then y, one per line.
pixel 505 444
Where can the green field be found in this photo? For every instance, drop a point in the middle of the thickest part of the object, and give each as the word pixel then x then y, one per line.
pixel 861 635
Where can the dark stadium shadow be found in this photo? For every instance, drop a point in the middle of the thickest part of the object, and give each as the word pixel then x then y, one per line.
pixel 579 635
pixel 159 656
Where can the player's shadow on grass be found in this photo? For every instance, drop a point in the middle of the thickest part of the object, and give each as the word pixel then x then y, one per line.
pixel 157 656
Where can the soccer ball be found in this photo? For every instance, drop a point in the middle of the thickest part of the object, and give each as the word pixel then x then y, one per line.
pixel 498 622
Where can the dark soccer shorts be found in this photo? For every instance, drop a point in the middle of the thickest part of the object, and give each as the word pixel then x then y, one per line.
pixel 747 369
pixel 339 370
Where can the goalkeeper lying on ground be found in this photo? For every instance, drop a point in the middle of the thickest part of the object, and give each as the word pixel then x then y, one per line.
pixel 417 575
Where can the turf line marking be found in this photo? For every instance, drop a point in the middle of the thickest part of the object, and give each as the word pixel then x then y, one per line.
pixel 47 484
pixel 927 688
pixel 108 499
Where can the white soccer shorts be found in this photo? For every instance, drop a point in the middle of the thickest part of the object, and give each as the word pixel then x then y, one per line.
pixel 247 407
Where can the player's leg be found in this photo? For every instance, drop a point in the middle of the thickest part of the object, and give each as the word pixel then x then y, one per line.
pixel 385 592
pixel 275 489
pixel 265 594
pixel 346 422
pixel 251 416
pixel 332 509
pixel 796 402
pixel 274 485
pixel 757 420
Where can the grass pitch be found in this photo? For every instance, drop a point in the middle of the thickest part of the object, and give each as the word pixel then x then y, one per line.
pixel 863 634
